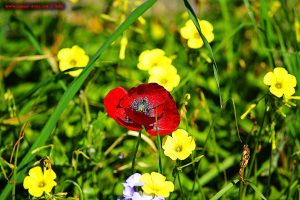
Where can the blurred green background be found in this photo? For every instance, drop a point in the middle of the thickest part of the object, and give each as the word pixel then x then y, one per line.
pixel 92 155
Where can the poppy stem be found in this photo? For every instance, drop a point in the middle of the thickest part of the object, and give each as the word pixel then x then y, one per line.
pixel 136 150
pixel 159 147
pixel 159 154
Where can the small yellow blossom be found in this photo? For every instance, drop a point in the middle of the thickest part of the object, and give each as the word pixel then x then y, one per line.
pixel 275 6
pixel 123 45
pixel 72 57
pixel 280 82
pixel 157 31
pixel 190 32
pixel 156 184
pixel 153 58
pixel 251 107
pixel 74 1
pixel 179 146
pixel 8 95
pixel 39 181
pixel 165 76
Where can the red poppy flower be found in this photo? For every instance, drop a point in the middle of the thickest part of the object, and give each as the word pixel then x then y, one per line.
pixel 149 105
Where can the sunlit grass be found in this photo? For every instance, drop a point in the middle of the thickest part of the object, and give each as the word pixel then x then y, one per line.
pixel 48 117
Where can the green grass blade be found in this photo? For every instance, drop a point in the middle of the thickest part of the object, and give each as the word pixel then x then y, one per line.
pixel 77 186
pixel 208 47
pixel 257 190
pixel 212 173
pixel 70 93
pixel 26 30
pixel 224 190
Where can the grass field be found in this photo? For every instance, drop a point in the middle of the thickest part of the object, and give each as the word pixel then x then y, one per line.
pixel 228 89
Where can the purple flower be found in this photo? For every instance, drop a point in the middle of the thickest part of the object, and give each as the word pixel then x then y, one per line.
pixel 131 182
pixel 134 180
pixel 129 192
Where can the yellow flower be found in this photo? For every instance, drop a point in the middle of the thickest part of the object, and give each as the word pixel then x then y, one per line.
pixel 156 184
pixel 275 6
pixel 165 76
pixel 297 29
pixel 190 32
pixel 152 58
pixel 280 82
pixel 74 1
pixel 39 182
pixel 157 31
pixel 72 57
pixel 179 146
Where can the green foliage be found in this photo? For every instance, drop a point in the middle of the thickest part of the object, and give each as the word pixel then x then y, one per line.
pixel 47 114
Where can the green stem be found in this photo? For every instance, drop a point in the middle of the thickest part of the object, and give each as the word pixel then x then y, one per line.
pixel 159 147
pixel 174 181
pixel 135 151
pixel 15 174
pixel 253 156
pixel 16 163
pixel 270 171
pixel 160 169
pixel 180 186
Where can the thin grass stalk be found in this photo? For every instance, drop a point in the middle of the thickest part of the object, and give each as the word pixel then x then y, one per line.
pixel 135 151
pixel 180 186
pixel 160 168
pixel 253 156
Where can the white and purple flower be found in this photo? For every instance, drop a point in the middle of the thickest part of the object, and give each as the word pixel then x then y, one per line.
pixel 130 193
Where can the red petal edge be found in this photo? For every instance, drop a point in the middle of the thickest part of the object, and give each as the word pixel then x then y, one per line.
pixel 111 103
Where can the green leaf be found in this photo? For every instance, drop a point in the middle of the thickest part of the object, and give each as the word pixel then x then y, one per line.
pixel 70 93
pixel 225 189
pixel 208 47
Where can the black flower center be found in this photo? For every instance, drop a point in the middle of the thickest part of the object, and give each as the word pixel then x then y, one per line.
pixel 278 85
pixel 142 105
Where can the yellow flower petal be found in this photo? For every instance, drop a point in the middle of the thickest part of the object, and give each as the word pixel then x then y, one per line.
pixel 190 32
pixel 187 32
pixel 269 78
pixel 72 57
pixel 149 59
pixel 28 181
pixel 165 76
pixel 277 92
pixel 179 146
pixel 35 191
pixel 36 172
pixel 39 182
pixel 156 184
pixel 195 43
pixel 280 72
pixel 206 26
pixel 49 174
pixel 63 53
pixel 291 80
pixel 289 92
pixel 280 82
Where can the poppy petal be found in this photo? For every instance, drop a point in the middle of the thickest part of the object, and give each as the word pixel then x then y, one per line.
pixel 112 100
pixel 149 105
pixel 113 109
pixel 168 122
